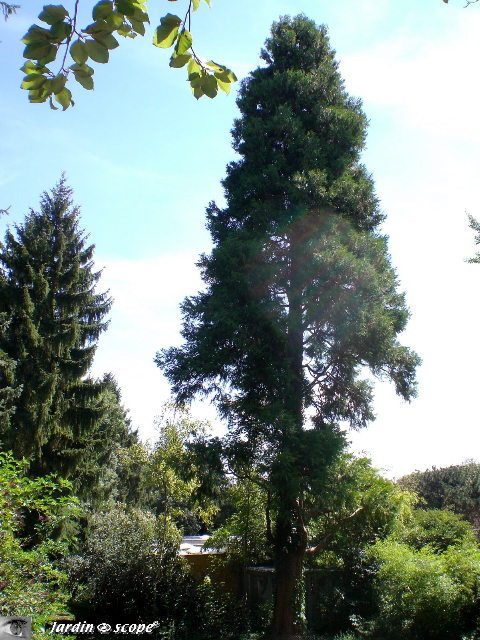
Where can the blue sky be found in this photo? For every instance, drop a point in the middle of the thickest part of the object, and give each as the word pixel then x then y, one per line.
pixel 145 158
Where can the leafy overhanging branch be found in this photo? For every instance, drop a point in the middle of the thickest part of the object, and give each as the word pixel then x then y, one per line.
pixel 123 17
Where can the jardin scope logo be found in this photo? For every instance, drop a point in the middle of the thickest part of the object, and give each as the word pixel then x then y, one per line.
pixel 103 628
pixel 16 626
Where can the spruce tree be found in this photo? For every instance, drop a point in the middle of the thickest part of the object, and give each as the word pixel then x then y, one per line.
pixel 301 298
pixel 48 293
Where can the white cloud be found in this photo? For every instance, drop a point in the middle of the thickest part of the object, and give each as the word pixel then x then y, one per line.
pixel 434 87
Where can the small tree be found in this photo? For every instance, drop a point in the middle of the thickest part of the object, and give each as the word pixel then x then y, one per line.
pixel 48 292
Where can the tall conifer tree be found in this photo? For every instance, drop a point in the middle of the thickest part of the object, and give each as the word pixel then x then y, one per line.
pixel 300 297
pixel 48 293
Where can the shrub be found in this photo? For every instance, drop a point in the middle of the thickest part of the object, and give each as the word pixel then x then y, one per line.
pixel 428 579
pixel 31 584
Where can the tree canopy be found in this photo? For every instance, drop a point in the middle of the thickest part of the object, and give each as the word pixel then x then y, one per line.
pixel 300 295
pixel 126 18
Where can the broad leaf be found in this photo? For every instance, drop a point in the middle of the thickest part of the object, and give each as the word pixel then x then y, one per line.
pixel 39 51
pixel 58 83
pixel 224 86
pixel 102 9
pixel 208 2
pixel 167 32
pixel 184 42
pixel 36 34
pixel 226 76
pixel 64 98
pixel 108 41
pixel 138 26
pixel 124 30
pixel 209 86
pixel 114 20
pixel 196 4
pixel 33 81
pixel 52 106
pixel 141 16
pixel 82 69
pixel 97 51
pixel 31 67
pixel 84 80
pixel 78 51
pixel 126 7
pixel 197 92
pixel 61 31
pixel 193 67
pixel 179 61
pixel 53 13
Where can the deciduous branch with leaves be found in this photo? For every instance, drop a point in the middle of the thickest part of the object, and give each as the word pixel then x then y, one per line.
pixel 126 18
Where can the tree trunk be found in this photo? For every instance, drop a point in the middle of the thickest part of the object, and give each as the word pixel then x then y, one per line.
pixel 288 589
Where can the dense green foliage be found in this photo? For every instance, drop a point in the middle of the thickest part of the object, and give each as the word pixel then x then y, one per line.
pixel 428 579
pixel 126 18
pixel 55 317
pixel 30 582
pixel 456 487
pixel 300 294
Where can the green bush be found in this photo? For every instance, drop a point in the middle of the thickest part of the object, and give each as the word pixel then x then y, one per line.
pixel 128 568
pixel 31 583
pixel 428 579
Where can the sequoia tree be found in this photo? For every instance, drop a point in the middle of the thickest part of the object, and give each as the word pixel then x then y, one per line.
pixel 301 298
pixel 48 293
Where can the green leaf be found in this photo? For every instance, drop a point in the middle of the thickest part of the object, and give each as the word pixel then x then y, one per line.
pixel 193 67
pixel 41 94
pixel 184 42
pixel 52 106
pixel 209 86
pixel 195 79
pixel 208 2
pixel 78 51
pixel 197 92
pixel 126 7
pixel 33 81
pixel 53 13
pixel 58 83
pixel 114 20
pixel 196 4
pixel 226 76
pixel 96 51
pixel 102 9
pixel 108 41
pixel 138 26
pixel 39 51
pixel 31 67
pixel 224 86
pixel 216 66
pixel 179 61
pixel 124 30
pixel 84 80
pixel 61 31
pixel 82 69
pixel 50 57
pixel 167 32
pixel 64 98
pixel 101 28
pixel 141 16
pixel 36 34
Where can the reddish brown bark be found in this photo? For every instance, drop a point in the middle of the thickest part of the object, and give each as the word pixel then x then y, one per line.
pixel 288 577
